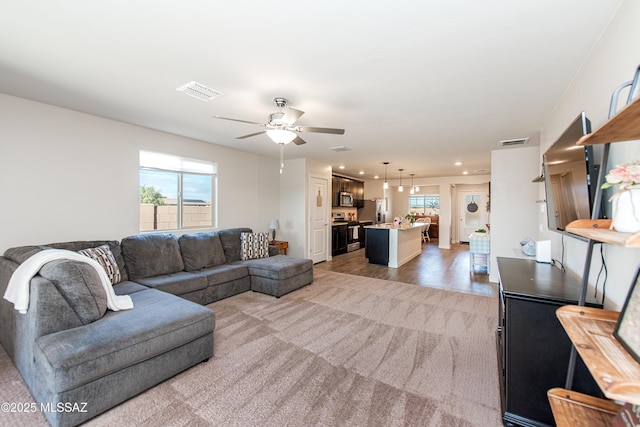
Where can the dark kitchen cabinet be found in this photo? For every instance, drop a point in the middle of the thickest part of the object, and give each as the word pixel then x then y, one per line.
pixel 335 191
pixel 340 184
pixel 533 349
pixel 345 185
pixel 339 239
pixel 363 233
pixel 377 246
pixel 357 188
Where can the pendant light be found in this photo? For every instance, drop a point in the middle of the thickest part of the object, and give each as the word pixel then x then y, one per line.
pixel 412 191
pixel 386 183
pixel 400 188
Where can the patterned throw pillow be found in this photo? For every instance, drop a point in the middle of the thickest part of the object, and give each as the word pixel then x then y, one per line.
pixel 105 258
pixel 254 245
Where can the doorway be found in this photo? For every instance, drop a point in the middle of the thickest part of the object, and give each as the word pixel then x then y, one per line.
pixel 319 212
pixel 472 213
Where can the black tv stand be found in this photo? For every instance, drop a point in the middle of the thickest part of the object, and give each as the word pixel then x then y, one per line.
pixel 532 346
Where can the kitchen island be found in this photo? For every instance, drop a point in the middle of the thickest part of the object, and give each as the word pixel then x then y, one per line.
pixel 392 245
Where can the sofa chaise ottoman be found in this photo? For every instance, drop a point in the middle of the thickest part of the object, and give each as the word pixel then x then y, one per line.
pixel 280 274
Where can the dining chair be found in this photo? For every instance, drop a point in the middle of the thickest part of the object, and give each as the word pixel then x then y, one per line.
pixel 425 230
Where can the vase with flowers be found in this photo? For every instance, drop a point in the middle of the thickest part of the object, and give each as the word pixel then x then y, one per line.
pixel 411 218
pixel 626 200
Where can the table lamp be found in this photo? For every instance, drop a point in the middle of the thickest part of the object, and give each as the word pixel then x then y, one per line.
pixel 274 225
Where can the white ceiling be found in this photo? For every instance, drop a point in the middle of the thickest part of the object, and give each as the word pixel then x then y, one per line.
pixel 420 84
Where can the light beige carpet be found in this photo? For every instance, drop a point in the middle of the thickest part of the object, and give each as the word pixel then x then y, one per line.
pixel 344 351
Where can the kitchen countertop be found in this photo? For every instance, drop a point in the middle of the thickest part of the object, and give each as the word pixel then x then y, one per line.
pixel 391 226
pixel 364 221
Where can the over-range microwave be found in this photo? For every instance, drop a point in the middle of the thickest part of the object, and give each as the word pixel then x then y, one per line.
pixel 346 199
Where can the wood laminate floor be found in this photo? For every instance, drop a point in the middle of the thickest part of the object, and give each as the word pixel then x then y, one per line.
pixel 437 268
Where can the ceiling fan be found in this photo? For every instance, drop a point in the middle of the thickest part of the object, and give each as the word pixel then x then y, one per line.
pixel 281 126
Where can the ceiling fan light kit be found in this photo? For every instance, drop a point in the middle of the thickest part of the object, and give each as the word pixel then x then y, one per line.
pixel 281 129
pixel 280 136
pixel 283 122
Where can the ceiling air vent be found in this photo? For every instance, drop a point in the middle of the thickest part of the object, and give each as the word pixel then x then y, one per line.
pixel 512 142
pixel 199 91
pixel 339 148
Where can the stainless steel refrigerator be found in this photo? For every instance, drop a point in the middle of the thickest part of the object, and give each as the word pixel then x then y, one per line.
pixel 372 211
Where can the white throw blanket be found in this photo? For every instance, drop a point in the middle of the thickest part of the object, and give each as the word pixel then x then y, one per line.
pixel 18 289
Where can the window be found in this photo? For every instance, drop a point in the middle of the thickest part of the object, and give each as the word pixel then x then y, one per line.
pixel 176 193
pixel 425 204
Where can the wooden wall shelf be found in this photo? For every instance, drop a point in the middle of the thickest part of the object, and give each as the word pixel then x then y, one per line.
pixel 614 369
pixel 572 409
pixel 599 230
pixel 590 330
pixel 624 126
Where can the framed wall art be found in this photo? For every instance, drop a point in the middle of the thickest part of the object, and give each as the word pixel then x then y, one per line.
pixel 627 330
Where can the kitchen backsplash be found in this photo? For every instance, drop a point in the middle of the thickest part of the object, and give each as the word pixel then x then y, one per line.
pixel 347 213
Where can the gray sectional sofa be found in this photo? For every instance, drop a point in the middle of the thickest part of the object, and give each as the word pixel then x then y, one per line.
pixel 71 350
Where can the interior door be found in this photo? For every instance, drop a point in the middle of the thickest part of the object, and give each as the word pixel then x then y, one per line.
pixel 319 225
pixel 472 213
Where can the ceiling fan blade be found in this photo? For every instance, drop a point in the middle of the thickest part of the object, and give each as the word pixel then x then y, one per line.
pixel 299 141
pixel 320 130
pixel 291 115
pixel 237 120
pixel 251 134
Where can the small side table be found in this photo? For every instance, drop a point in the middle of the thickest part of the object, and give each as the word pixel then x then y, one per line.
pixel 282 245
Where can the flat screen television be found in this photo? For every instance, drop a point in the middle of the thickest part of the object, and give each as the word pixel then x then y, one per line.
pixel 570 176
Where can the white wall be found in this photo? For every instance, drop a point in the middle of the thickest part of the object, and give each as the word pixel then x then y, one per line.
pixel 293 210
pixel 66 175
pixel 612 61
pixel 513 201
pixel 294 204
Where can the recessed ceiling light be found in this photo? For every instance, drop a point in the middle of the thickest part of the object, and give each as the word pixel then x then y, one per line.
pixel 457 163
pixel 376 177
pixel 361 172
pixel 341 167
pixel 199 91
pixel 465 173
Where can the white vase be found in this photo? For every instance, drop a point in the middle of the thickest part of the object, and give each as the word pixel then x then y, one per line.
pixel 626 210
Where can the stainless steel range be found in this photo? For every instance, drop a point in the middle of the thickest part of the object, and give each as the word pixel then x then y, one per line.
pixel 353 238
pixel 353 231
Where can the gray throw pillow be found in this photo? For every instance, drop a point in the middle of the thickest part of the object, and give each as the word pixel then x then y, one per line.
pixel 79 284
pixel 230 239
pixel 201 250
